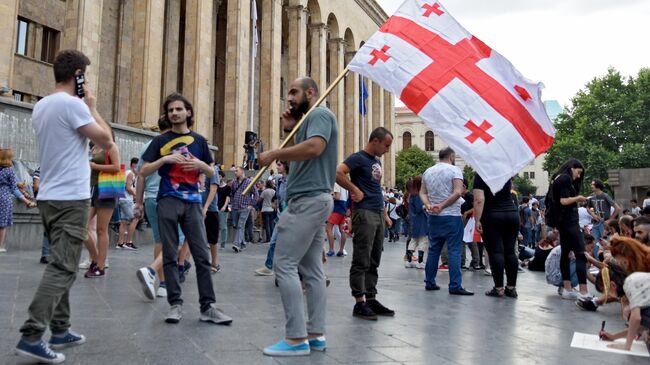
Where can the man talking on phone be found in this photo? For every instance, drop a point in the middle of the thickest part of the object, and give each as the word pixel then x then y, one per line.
pixel 63 123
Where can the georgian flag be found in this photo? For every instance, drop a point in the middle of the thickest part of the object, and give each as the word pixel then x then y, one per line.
pixel 466 92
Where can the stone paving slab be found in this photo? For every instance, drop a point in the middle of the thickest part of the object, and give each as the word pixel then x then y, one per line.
pixel 429 328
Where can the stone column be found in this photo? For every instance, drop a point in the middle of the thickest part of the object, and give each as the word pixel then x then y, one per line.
pixel 198 65
pixel 237 100
pixel 8 17
pixel 336 100
pixel 377 106
pixel 270 75
pixel 146 62
pixel 297 53
pixel 351 108
pixel 319 54
pixel 171 47
pixel 83 26
pixel 389 121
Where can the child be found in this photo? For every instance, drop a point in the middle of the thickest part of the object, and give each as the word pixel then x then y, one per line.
pixel 636 289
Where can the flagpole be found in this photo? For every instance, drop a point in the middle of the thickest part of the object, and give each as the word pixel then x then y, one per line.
pixel 295 129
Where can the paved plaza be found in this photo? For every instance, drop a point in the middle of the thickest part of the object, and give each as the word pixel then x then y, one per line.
pixel 429 327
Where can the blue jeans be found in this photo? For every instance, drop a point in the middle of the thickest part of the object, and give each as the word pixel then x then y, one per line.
pixel 274 238
pixel 445 229
pixel 598 231
pixel 45 248
pixel 527 232
pixel 239 217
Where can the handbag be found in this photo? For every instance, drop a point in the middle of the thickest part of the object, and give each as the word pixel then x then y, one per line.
pixel 111 185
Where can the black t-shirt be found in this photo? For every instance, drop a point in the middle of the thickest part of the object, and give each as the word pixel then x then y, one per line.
pixel 563 188
pixel 366 173
pixel 223 192
pixel 539 261
pixel 468 204
pixel 174 181
pixel 499 202
pixel 602 205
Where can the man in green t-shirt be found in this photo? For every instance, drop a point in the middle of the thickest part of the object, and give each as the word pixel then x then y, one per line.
pixel 301 229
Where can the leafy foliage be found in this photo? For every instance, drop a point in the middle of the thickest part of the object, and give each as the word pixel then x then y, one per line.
pixel 411 162
pixel 468 174
pixel 606 126
pixel 524 186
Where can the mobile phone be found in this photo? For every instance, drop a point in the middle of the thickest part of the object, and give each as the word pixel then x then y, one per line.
pixel 79 81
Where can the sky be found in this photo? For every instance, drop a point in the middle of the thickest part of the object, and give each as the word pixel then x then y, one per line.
pixel 562 43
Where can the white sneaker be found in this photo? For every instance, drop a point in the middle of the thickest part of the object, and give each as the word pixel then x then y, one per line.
pixel 569 294
pixel 162 292
pixel 147 282
pixel 420 265
pixel 409 264
pixel 264 271
pixel 345 253
pixel 587 296
pixel 487 272
pixel 85 264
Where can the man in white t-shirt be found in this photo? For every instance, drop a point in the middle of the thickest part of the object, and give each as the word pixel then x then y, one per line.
pixel 442 188
pixel 646 201
pixel 128 222
pixel 63 124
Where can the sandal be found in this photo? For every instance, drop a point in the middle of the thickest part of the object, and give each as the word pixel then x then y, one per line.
pixel 215 269
pixel 494 293
pixel 512 293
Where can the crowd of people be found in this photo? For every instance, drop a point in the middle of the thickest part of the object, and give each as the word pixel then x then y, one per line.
pixel 190 206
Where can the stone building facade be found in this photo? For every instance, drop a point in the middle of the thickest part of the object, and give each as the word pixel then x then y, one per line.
pixel 410 130
pixel 141 50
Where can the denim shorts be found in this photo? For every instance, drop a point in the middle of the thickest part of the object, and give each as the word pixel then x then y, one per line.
pixel 126 210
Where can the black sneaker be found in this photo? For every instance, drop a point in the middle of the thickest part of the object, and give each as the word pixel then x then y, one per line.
pixel 379 308
pixel 587 305
pixel 362 310
pixel 44 260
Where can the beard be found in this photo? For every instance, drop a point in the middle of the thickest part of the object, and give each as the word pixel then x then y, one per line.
pixel 298 110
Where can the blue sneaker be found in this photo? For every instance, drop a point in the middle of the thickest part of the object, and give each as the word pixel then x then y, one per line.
pixel 66 339
pixel 39 352
pixel 318 343
pixel 282 348
pixel 330 253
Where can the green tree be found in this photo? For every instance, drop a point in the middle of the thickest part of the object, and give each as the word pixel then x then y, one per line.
pixel 411 162
pixel 524 186
pixel 468 174
pixel 605 127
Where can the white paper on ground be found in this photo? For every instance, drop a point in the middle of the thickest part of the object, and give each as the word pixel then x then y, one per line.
pixel 592 342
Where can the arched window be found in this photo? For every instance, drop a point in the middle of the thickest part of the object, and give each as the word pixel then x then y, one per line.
pixel 406 140
pixel 428 141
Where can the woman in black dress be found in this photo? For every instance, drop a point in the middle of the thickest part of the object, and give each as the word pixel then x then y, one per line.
pixel 497 220
pixel 565 188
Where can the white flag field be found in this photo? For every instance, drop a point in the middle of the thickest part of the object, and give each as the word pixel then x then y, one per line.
pixel 466 92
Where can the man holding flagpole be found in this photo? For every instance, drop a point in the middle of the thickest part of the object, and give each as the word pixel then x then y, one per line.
pixel 301 229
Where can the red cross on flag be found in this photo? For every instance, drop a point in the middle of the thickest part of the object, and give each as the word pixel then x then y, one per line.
pixel 466 92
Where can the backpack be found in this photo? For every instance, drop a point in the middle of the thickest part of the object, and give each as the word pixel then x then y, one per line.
pixel 552 212
pixel 402 211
